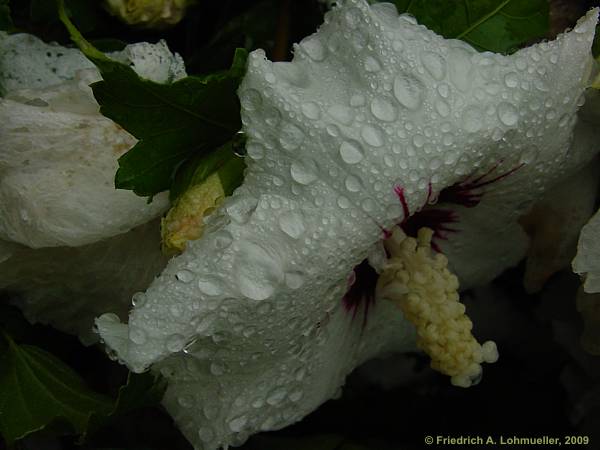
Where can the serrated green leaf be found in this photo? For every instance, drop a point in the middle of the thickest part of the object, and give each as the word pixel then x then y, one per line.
pixel 499 26
pixel 172 121
pixel 36 389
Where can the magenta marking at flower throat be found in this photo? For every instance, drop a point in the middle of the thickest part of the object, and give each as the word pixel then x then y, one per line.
pixel 467 193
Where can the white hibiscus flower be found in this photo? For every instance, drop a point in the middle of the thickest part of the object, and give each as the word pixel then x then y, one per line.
pixel 66 247
pixel 374 120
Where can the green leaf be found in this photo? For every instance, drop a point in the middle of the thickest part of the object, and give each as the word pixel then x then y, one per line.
pixel 5 19
pixel 172 121
pixel 36 389
pixel 499 26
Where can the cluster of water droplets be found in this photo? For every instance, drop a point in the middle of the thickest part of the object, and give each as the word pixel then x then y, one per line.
pixel 370 102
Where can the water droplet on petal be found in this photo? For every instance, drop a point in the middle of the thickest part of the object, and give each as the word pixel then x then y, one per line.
pixel 304 172
pixel 442 108
pixel 351 152
pixel 342 114
pixel 257 272
pixel 296 396
pixel 292 224
pixel 357 100
pixel 383 110
pixel 511 79
pixel 434 64
pixel 276 396
pixel 291 137
pixel 175 343
pixel 209 286
pixel 372 135
pixel 353 183
pixel 372 65
pixel 311 110
pixel 185 276
pixel 236 425
pixel 508 114
pixel 255 151
pixel 408 90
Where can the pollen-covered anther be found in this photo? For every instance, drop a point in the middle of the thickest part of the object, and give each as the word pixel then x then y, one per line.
pixel 419 282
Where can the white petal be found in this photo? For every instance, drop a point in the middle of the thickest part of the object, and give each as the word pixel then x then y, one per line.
pixel 59 154
pixel 67 287
pixel 555 224
pixel 27 62
pixel 217 402
pixel 587 261
pixel 325 153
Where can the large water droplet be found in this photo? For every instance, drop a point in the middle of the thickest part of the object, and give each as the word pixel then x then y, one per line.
pixel 185 276
pixel 296 395
pixel 442 108
pixel 508 114
pixel 257 272
pixel 291 137
pixel 342 114
pixel 304 172
pixel 311 110
pixel 383 110
pixel 351 152
pixel 292 224
pixel 372 135
pixel 175 343
pixel 408 90
pixel 236 425
pixel 353 183
pixel 276 396
pixel 241 209
pixel 209 286
pixel 511 79
pixel 372 65
pixel 255 151
pixel 434 64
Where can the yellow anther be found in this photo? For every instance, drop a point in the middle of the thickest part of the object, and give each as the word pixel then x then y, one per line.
pixel 420 283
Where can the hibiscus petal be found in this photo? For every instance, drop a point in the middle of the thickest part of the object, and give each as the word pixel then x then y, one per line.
pixel 67 287
pixel 59 154
pixel 587 261
pixel 370 103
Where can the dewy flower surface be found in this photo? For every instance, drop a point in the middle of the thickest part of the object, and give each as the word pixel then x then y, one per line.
pixel 58 157
pixel 59 154
pixel 248 323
